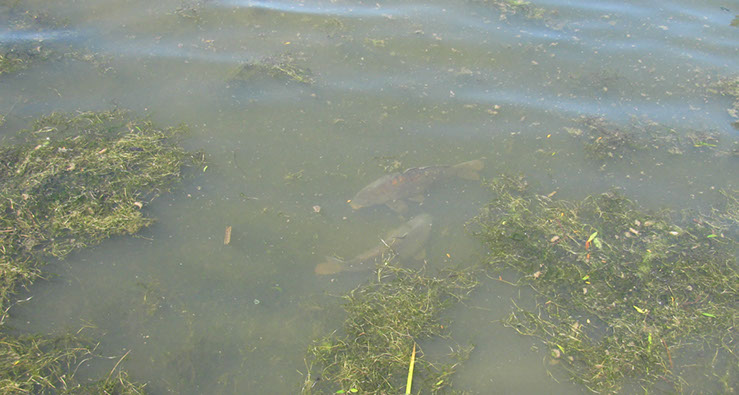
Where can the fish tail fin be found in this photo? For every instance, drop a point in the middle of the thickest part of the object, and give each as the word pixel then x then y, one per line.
pixel 469 170
pixel 331 266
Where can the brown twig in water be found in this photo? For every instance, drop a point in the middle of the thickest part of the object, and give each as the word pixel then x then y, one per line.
pixel 669 357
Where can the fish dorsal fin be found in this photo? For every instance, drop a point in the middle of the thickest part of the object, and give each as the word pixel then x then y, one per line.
pixel 399 206
pixel 417 198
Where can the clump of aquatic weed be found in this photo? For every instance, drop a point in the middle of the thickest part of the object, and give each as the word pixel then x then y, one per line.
pixel 625 297
pixel 16 56
pixel 117 384
pixel 68 182
pixel 47 38
pixel 605 142
pixel 33 363
pixel 73 181
pixel 384 320
pixel 284 67
pixel 729 87
pixel 519 7
pixel 191 9
pixel 45 365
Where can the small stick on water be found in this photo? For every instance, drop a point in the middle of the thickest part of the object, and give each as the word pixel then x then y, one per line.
pixel 227 237
pixel 410 371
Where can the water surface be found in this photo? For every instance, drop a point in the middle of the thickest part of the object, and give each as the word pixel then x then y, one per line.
pixel 403 83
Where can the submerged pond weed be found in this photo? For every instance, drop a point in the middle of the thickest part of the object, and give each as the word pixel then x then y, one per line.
pixel 68 182
pixel 384 320
pixel 284 67
pixel 624 297
pixel 74 181
pixel 605 142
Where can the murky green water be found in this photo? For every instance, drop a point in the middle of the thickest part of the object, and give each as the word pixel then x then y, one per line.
pixel 395 84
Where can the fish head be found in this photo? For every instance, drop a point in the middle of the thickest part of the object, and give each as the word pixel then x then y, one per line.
pixel 356 204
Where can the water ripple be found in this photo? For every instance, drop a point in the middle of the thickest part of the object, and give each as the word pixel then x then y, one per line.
pixel 19 36
pixel 331 9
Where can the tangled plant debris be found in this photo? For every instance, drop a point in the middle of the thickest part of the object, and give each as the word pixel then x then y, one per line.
pixel 625 298
pixel 384 320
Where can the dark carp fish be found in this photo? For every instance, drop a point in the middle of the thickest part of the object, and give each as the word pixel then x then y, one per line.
pixel 393 189
pixel 405 242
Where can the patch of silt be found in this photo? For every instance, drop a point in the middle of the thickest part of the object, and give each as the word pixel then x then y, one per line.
pixel 625 298
pixel 68 182
pixel 385 319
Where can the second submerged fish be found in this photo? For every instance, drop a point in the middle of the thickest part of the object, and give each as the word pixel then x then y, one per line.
pixel 405 242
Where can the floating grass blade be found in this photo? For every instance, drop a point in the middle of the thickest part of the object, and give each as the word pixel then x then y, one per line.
pixel 410 371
